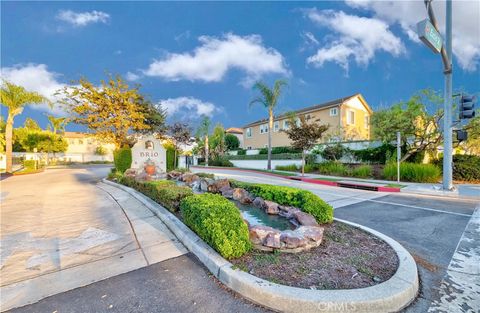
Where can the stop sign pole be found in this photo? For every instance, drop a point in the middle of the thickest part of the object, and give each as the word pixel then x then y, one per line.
pixel 446 53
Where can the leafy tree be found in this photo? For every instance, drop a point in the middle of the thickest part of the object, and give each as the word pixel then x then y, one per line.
pixel 202 134
pixel 111 110
pixel 155 120
pixel 180 134
pixel 420 129
pixel 472 145
pixel 44 141
pixel 2 134
pixel 31 124
pixel 333 152
pixel 232 142
pixel 217 141
pixel 57 123
pixel 305 135
pixel 269 99
pixel 15 98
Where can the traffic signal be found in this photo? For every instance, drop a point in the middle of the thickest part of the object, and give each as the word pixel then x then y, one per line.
pixel 467 107
pixel 462 135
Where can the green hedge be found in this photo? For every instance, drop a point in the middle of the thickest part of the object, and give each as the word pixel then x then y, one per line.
pixel 332 168
pixel 412 172
pixel 289 167
pixel 30 164
pixel 280 156
pixel 122 158
pixel 379 154
pixel 220 161
pixel 165 192
pixel 170 159
pixel 362 171
pixel 302 199
pixel 217 221
pixel 465 167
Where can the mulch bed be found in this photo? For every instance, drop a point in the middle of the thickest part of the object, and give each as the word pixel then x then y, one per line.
pixel 347 258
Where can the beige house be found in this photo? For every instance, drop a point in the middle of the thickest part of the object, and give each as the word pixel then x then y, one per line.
pixel 83 147
pixel 237 132
pixel 349 119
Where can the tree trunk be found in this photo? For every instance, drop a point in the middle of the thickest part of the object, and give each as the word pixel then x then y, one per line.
pixel 8 142
pixel 206 150
pixel 270 127
pixel 175 158
pixel 303 162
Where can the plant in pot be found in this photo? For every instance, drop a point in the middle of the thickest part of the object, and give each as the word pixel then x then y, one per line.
pixel 149 167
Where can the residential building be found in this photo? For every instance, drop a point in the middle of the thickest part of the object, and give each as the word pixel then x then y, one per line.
pixel 348 117
pixel 83 147
pixel 237 132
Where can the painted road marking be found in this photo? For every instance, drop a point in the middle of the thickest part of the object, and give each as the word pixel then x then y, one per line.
pixel 460 288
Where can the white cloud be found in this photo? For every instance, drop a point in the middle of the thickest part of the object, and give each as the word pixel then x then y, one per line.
pixel 80 19
pixel 309 38
pixel 132 76
pixel 465 30
pixel 188 106
pixel 35 77
pixel 358 38
pixel 210 61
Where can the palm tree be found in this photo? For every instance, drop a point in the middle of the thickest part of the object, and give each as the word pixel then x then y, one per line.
pixel 15 98
pixel 57 123
pixel 269 98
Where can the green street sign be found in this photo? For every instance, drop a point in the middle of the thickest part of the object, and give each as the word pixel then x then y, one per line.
pixel 429 35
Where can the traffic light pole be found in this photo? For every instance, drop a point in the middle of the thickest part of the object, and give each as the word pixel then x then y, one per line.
pixel 446 53
pixel 447 118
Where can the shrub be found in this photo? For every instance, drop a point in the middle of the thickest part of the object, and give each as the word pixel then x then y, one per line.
pixel 217 221
pixel 375 155
pixel 278 150
pixel 465 167
pixel 30 164
pixel 332 168
pixel 241 152
pixel 289 167
pixel 205 175
pixel 281 156
pixel 333 152
pixel 420 173
pixel 114 175
pixel 232 142
pixel 170 154
pixel 302 199
pixel 363 171
pixel 122 158
pixel 263 151
pixel 309 168
pixel 220 161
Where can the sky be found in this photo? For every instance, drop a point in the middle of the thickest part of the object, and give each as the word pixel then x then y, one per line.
pixel 196 58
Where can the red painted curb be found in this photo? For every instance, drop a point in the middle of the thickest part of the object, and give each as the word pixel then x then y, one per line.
pixel 298 178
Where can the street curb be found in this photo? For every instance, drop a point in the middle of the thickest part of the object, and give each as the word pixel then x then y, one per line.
pixel 390 296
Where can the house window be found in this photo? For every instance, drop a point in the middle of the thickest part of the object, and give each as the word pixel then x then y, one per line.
pixel 276 126
pixel 333 111
pixel 367 122
pixel 249 132
pixel 263 128
pixel 350 117
pixel 286 125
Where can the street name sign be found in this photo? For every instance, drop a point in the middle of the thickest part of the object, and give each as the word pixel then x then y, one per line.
pixel 429 35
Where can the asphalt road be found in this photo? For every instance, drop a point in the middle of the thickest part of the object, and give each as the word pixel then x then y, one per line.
pixel 429 227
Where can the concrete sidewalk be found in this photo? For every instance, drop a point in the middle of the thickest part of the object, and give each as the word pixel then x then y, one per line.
pixel 61 230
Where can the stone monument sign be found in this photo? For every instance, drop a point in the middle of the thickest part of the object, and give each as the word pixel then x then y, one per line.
pixel 149 155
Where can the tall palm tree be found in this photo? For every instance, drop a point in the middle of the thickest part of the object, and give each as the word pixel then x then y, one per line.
pixel 57 123
pixel 269 98
pixel 15 98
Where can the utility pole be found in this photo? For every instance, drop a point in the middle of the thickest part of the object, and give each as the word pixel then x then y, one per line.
pixel 446 53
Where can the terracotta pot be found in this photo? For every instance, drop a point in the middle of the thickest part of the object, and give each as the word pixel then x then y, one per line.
pixel 150 169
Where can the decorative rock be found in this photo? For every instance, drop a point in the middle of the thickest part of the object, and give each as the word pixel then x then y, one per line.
pixel 287 211
pixel 241 195
pixel 221 183
pixel 131 172
pixel 272 240
pixel 259 202
pixel 174 174
pixel 311 232
pixel 258 233
pixel 271 207
pixel 227 192
pixel 189 178
pixel 293 239
pixel 305 219
pixel 205 183
pixel 143 177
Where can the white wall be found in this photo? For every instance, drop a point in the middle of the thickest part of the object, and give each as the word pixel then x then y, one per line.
pixel 262 164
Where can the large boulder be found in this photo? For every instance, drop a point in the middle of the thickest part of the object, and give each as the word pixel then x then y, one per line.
pixel 143 177
pixel 189 178
pixel 287 211
pixel 218 184
pixel 258 233
pixel 259 202
pixel 272 240
pixel 312 233
pixel 271 207
pixel 293 239
pixel 241 195
pixel 174 174
pixel 305 219
pixel 131 172
pixel 227 192
pixel 205 183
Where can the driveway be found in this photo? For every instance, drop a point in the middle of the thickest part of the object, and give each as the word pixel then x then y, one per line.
pixel 442 234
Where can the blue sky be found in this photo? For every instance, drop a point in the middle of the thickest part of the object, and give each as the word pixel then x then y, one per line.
pixel 203 57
